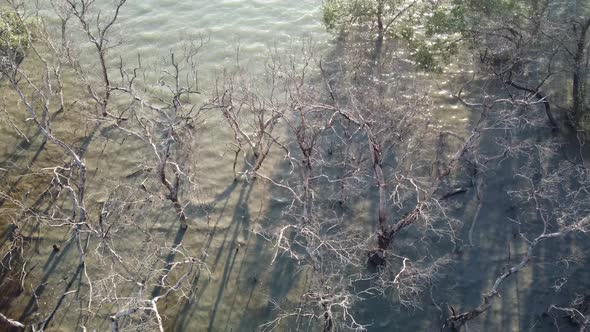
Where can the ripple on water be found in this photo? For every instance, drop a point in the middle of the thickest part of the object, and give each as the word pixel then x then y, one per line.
pixel 162 25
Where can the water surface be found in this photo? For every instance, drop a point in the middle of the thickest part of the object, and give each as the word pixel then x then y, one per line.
pixel 238 291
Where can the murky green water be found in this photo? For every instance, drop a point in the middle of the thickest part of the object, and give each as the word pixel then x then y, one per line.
pixel 236 293
pixel 252 27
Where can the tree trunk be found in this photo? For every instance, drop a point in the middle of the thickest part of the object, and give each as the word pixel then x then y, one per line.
pixel 377 256
pixel 579 72
pixel 380 34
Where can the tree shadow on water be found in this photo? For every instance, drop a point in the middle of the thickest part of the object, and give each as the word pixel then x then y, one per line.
pixel 49 269
pixel 241 222
pixel 169 260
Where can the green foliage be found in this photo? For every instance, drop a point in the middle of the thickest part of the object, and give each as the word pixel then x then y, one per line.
pixel 425 58
pixel 490 7
pixel 331 14
pixel 344 14
pixel 14 32
pixel 449 20
pixel 453 23
pixel 402 19
pixel 434 35
pixel 434 31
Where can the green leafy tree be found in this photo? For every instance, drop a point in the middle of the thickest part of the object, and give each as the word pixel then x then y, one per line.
pixel 523 42
pixel 15 37
pixel 433 30
pixel 378 17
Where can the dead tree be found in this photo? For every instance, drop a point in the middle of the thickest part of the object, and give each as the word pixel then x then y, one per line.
pixel 175 116
pixel 98 36
pixel 576 311
pixel 252 109
pixel 555 225
pixel 111 266
pixel 546 179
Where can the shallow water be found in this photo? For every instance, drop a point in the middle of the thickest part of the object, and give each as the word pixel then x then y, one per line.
pixel 253 27
pixel 236 295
